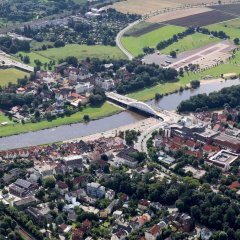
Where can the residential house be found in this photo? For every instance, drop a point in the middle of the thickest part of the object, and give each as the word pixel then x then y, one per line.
pixel 95 190
pixel 62 187
pixel 126 157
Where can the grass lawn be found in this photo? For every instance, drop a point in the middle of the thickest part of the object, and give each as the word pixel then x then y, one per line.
pixel 231 28
pixel 10 75
pixel 190 42
pixel 137 27
pixel 149 93
pixel 135 45
pixel 33 56
pixel 94 113
pixel 82 52
pixel 4 118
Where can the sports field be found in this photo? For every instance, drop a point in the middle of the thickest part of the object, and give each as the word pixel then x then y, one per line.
pixel 231 28
pixel 10 75
pixel 135 45
pixel 190 42
pixel 105 110
pixel 82 52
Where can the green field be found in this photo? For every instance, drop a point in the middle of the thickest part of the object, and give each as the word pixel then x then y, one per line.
pixel 149 93
pixel 106 109
pixel 190 42
pixel 82 52
pixel 33 56
pixel 10 75
pixel 137 27
pixel 135 45
pixel 231 28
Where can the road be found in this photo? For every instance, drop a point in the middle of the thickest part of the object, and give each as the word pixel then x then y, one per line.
pixel 119 36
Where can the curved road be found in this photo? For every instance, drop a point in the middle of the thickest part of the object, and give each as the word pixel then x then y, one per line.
pixel 119 36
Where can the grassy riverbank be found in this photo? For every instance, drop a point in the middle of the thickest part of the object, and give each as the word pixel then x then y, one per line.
pixel 94 113
pixel 149 93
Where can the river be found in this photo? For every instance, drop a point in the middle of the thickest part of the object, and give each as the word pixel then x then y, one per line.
pixel 67 132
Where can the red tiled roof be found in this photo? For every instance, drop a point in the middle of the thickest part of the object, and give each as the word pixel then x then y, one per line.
pixel 154 230
pixel 234 185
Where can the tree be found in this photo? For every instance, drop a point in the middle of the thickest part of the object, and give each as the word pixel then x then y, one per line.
pixel 26 59
pixel 49 182
pixel 86 118
pixel 173 54
pixel 236 41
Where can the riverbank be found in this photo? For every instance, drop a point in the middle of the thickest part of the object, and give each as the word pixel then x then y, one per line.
pixel 140 126
pixel 107 109
pixel 149 93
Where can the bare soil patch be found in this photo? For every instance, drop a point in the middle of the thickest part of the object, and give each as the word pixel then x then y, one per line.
pixel 177 14
pixel 233 9
pixel 201 19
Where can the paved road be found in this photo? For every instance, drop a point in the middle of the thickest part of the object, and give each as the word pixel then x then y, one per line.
pixel 120 35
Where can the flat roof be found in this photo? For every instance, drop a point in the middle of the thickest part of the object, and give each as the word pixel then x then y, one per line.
pixel 224 137
pixel 224 157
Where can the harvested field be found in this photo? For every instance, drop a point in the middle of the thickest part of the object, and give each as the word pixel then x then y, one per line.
pixel 233 9
pixel 198 1
pixel 201 19
pixel 142 7
pixel 177 14
pixel 145 30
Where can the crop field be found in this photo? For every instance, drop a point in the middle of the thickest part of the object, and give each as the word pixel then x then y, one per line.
pixel 82 52
pixel 146 28
pixel 201 19
pixel 177 14
pixel 142 7
pixel 10 75
pixel 190 42
pixel 135 45
pixel 233 9
pixel 231 28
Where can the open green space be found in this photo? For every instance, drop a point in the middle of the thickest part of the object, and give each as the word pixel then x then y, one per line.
pixel 190 42
pixel 135 45
pixel 82 52
pixel 33 56
pixel 10 75
pixel 149 93
pixel 94 113
pixel 138 27
pixel 231 28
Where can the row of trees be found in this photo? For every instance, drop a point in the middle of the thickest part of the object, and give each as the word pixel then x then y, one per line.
pixel 230 95
pixel 10 45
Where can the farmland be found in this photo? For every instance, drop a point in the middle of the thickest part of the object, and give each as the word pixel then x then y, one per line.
pixel 201 19
pixel 82 52
pixel 233 9
pixel 190 42
pixel 135 45
pixel 177 14
pixel 142 6
pixel 10 75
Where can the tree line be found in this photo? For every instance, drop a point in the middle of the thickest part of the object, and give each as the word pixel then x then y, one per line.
pixel 230 95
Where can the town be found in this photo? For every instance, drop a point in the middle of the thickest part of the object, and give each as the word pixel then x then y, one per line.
pixel 120 120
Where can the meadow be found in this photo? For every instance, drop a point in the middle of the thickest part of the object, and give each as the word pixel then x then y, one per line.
pixel 135 45
pixel 10 75
pixel 149 93
pixel 231 28
pixel 190 42
pixel 82 52
pixel 94 113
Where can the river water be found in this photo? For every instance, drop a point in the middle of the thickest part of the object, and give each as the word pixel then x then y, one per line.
pixel 67 132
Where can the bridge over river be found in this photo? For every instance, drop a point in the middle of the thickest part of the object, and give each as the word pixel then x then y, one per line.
pixel 142 107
